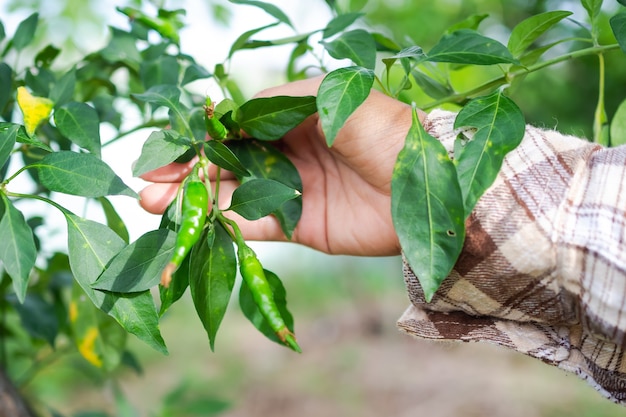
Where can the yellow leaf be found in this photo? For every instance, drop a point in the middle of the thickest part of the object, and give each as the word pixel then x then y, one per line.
pixel 87 347
pixel 34 109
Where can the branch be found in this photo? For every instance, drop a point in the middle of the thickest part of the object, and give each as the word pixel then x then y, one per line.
pixel 12 404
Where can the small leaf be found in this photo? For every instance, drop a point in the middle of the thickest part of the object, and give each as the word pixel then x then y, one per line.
pixel 25 32
pixel 268 8
pixel 618 126
pixel 161 148
pixel 18 252
pixel 469 47
pixel 252 313
pixel 91 246
pixel 340 23
pixel 35 109
pixel 163 70
pixel 430 86
pixel 341 92
pixel 413 52
pixel 220 155
pixel 22 137
pixel 195 72
pixel 427 208
pixel 471 22
pixel 356 45
pixel 176 289
pixel 259 197
pixel 500 127
pixel 138 266
pixel 6 85
pixel 212 278
pixel 593 7
pixel 161 95
pixel 244 38
pixel 79 123
pixel 265 161
pixel 618 25
pixel 8 135
pixel 528 30
pixel 80 174
pixel 114 221
pixel 270 118
pixel 46 56
pixel 38 318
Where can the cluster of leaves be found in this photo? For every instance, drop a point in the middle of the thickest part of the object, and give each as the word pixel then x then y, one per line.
pixel 99 291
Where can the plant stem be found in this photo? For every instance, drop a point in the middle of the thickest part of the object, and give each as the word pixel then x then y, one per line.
pixel 508 77
pixel 600 120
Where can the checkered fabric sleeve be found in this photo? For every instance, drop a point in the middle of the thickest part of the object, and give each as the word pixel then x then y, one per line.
pixel 543 268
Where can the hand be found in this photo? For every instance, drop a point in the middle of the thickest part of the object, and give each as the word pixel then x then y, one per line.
pixel 346 188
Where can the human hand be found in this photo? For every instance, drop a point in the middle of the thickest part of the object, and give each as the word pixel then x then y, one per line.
pixel 346 206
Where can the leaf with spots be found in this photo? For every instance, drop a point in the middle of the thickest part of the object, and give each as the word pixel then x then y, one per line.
pixel 498 126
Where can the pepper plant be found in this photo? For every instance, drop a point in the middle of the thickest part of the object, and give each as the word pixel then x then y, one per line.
pixel 99 290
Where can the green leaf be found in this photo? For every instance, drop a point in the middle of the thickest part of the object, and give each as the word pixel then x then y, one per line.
pixel 3 33
pixel 471 22
pixel 80 174
pixel 268 8
pixel 161 95
pixel 122 48
pixel 469 47
pixel 593 8
pixel 114 221
pixel 241 42
pixel 264 161
pixel 618 126
pixel 138 266
pixel 62 91
pixel 252 313
pixel 500 127
pixel 427 208
pixel 161 148
pixel 8 135
pixel 356 45
pixel 270 118
pixel 38 317
pixel 341 92
pixel 340 23
pixel 79 123
pixel 528 30
pixel 18 252
pixel 433 88
pixel 412 52
pixel 220 155
pixel 91 247
pixel 22 137
pixel 6 85
pixel 195 72
pixel 618 25
pixel 163 70
pixel 212 278
pixel 176 289
pixel 259 197
pixel 25 32
pixel 46 56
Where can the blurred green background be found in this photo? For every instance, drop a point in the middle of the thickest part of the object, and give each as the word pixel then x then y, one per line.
pixel 355 362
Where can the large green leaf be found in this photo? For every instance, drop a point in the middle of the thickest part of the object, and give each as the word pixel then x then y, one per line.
pixel 252 312
pixel 18 252
pixel 466 46
pixel 91 246
pixel 265 161
pixel 269 8
pixel 8 135
pixel 618 126
pixel 80 174
pixel 270 118
pixel 25 32
pixel 500 127
pixel 341 92
pixel 340 23
pixel 62 91
pixel 618 25
pixel 427 208
pixel 528 30
pixel 161 148
pixel 6 85
pixel 212 278
pixel 259 197
pixel 220 155
pixel 138 266
pixel 79 123
pixel 356 45
pixel 163 70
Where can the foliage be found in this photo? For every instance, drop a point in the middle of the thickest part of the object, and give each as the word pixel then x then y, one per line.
pixel 99 290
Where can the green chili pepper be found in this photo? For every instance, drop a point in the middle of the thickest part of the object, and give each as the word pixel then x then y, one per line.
pixel 214 127
pixel 195 200
pixel 254 277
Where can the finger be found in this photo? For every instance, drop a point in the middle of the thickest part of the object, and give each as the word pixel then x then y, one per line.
pixel 174 172
pixel 156 197
pixel 307 87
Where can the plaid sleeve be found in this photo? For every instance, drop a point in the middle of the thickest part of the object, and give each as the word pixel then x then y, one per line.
pixel 543 268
